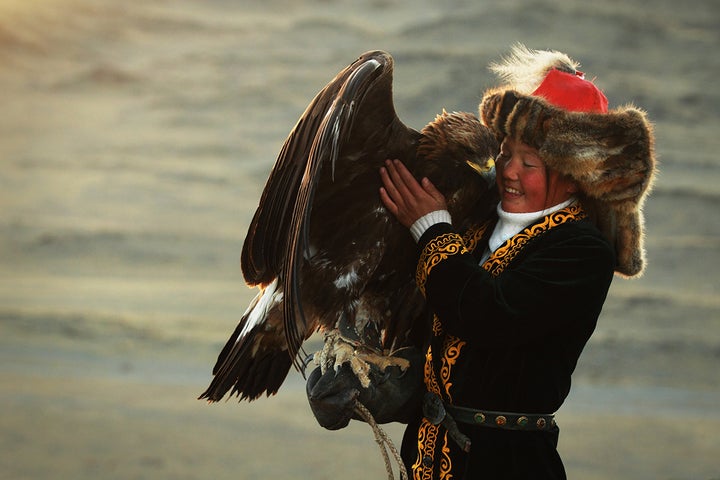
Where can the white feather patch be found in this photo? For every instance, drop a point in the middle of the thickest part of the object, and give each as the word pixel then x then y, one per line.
pixel 347 280
pixel 260 306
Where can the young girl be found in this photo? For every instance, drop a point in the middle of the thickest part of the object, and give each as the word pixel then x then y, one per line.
pixel 515 300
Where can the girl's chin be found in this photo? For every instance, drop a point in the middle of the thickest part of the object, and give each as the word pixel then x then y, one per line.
pixel 512 205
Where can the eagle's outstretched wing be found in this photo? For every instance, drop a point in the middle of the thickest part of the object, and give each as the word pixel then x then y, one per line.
pixel 322 188
pixel 344 119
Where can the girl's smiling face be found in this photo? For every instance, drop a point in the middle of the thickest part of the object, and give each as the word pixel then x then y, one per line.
pixel 525 183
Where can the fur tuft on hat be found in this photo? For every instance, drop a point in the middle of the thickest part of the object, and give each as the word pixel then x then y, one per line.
pixel 609 153
pixel 525 69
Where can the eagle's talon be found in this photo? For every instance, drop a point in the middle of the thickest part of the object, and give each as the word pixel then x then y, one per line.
pixel 337 351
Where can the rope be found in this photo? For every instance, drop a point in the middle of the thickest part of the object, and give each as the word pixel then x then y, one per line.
pixel 383 441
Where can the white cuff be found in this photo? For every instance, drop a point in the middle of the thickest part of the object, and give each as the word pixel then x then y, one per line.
pixel 428 220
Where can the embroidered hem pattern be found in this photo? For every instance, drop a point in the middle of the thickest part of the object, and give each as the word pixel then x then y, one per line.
pixel 429 434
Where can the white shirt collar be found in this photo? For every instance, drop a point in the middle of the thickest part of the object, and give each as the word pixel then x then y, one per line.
pixel 509 224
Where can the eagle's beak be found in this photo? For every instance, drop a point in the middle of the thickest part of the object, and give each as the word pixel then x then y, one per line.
pixel 482 169
pixel 486 171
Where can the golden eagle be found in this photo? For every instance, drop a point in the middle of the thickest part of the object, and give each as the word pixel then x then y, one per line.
pixel 324 252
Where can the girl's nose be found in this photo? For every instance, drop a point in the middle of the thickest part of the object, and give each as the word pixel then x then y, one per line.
pixel 509 169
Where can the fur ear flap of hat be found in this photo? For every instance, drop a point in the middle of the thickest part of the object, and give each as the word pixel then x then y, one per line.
pixel 610 154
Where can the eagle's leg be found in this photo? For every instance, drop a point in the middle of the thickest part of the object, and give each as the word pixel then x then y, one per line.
pixel 335 351
pixel 338 349
pixel 332 349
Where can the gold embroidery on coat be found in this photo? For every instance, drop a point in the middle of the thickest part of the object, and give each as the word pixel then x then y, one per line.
pixel 431 382
pixel 502 257
pixel 437 250
pixel 427 432
pixel 436 326
pixel 445 461
pixel 427 436
pixel 473 235
pixel 452 347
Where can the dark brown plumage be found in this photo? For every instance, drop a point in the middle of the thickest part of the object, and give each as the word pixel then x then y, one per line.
pixel 323 250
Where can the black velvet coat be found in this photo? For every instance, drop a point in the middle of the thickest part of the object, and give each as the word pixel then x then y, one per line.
pixel 509 334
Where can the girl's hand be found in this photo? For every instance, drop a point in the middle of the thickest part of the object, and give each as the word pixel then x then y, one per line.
pixel 405 197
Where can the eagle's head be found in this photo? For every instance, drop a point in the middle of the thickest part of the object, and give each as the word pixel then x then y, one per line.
pixel 457 153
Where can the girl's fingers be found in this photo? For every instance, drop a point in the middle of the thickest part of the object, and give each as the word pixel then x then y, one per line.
pixel 389 189
pixel 398 184
pixel 388 202
pixel 432 190
pixel 407 178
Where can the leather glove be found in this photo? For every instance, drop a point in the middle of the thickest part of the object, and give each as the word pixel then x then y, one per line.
pixel 393 395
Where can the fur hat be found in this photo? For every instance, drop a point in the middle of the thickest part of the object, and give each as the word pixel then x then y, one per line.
pixel 547 104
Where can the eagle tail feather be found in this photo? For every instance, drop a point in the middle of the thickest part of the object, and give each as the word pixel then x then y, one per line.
pixel 255 359
pixel 249 374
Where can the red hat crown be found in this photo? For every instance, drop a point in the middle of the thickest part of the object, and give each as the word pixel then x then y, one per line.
pixel 571 92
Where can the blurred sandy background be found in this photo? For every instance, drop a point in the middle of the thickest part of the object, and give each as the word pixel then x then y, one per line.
pixel 135 139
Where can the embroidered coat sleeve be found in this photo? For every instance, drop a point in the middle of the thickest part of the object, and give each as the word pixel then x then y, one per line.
pixel 566 270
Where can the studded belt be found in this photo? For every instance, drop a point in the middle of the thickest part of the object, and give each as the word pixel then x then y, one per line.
pixel 504 420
